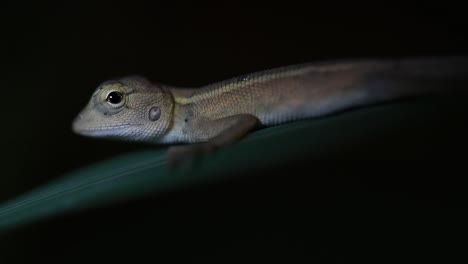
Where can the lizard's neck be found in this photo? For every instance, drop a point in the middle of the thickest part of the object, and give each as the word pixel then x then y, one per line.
pixel 179 131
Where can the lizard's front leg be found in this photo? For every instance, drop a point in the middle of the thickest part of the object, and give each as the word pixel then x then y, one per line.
pixel 231 129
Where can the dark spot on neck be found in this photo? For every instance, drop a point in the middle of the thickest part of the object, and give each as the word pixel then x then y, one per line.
pixel 185 120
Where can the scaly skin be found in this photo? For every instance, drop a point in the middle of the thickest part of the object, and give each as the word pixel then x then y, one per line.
pixel 223 112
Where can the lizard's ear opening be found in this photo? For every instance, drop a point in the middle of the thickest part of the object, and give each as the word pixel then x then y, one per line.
pixel 154 113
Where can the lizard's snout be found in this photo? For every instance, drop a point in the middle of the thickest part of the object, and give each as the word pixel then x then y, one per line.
pixel 77 124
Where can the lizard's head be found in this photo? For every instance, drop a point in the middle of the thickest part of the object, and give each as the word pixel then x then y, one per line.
pixel 128 109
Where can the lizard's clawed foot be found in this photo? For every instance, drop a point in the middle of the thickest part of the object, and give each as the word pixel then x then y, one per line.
pixel 188 153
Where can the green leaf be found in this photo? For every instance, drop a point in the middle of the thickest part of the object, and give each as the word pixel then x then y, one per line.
pixel 134 175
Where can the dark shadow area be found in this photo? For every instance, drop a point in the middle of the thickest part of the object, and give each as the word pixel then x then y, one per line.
pixel 342 211
pixel 387 195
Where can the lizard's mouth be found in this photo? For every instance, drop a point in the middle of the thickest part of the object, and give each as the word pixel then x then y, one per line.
pixel 112 130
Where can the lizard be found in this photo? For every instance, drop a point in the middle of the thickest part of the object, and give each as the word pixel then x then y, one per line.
pixel 201 120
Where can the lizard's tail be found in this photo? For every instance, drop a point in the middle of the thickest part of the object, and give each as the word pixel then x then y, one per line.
pixel 377 81
pixel 422 76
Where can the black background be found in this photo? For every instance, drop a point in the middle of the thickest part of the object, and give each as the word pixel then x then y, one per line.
pixel 53 55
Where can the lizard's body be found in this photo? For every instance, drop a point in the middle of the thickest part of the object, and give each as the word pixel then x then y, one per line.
pixel 223 112
pixel 274 97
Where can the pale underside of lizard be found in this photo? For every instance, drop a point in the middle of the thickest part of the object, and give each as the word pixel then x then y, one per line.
pixel 134 109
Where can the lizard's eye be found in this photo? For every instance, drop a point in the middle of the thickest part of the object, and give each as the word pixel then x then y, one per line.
pixel 114 98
